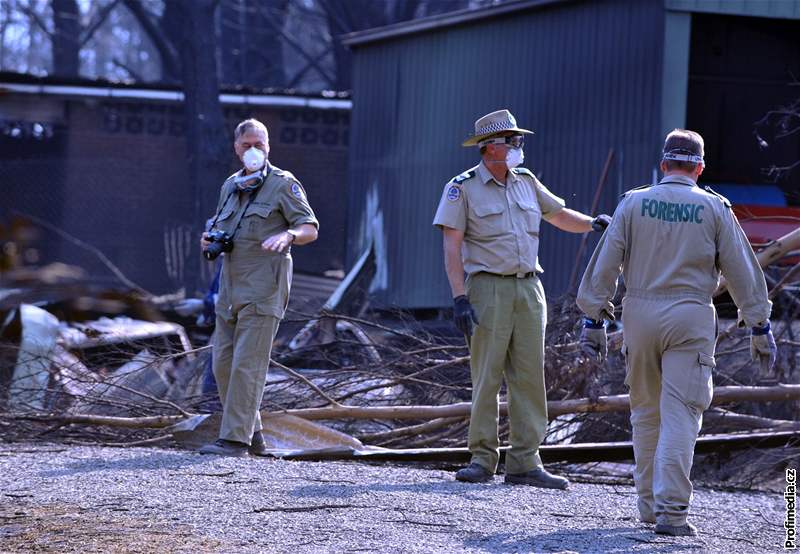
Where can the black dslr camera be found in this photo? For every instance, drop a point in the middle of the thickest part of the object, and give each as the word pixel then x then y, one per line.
pixel 220 242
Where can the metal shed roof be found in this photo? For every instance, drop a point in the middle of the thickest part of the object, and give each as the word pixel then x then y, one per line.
pixel 777 9
pixel 780 9
pixel 28 84
pixel 444 20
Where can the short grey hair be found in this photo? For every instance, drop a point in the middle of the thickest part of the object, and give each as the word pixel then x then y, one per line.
pixel 249 125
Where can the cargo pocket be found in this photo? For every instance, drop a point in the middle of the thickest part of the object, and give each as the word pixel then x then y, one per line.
pixel 627 381
pixel 701 384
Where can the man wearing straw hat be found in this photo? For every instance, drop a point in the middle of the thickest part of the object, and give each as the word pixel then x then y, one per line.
pixel 490 217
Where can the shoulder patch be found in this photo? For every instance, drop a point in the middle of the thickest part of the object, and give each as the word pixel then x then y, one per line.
pixel 297 190
pixel 454 193
pixel 725 201
pixel 463 177
pixel 642 187
pixel 523 171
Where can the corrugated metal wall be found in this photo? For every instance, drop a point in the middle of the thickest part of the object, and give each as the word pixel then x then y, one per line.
pixel 586 76
pixel 784 9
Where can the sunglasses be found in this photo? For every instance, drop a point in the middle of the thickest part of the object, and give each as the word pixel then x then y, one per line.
pixel 514 141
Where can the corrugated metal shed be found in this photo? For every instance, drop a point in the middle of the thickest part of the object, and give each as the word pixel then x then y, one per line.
pixel 778 9
pixel 586 76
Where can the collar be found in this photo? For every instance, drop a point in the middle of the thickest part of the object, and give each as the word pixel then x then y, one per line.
pixel 485 175
pixel 253 181
pixel 678 180
pixel 263 172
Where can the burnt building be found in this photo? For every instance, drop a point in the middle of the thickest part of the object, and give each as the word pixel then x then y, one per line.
pixel 105 165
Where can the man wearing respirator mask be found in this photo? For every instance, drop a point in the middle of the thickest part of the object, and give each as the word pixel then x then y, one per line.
pixel 490 217
pixel 262 212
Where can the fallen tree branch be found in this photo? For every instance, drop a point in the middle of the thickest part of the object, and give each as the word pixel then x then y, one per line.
pixel 409 430
pixel 311 385
pixel 733 421
pixel 616 403
pixel 149 422
pixel 770 254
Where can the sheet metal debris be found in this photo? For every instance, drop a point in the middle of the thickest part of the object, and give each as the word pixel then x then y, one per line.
pixel 282 433
pixel 28 386
pixel 575 453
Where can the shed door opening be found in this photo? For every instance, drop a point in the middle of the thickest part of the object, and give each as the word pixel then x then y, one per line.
pixel 740 69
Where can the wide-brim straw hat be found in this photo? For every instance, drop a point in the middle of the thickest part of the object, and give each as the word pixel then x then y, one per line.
pixel 492 124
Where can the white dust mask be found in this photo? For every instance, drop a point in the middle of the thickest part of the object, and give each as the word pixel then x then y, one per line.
pixel 514 157
pixel 254 159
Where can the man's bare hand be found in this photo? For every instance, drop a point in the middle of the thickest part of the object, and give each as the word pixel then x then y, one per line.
pixel 204 242
pixel 278 243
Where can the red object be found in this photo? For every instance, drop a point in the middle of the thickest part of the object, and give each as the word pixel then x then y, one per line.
pixel 764 224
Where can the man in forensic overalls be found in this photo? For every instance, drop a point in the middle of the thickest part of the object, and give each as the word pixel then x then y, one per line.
pixel 265 211
pixel 490 217
pixel 671 241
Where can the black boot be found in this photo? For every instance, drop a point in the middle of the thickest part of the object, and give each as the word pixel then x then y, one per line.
pixel 257 445
pixel 474 473
pixel 686 530
pixel 222 447
pixel 537 478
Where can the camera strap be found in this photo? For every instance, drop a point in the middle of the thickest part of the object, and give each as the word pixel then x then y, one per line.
pixel 253 195
pixel 219 212
pixel 244 212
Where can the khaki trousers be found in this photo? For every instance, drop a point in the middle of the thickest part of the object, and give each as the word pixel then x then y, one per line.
pixel 508 340
pixel 241 352
pixel 669 348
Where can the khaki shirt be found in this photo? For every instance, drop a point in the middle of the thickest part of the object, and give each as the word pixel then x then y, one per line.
pixel 249 273
pixel 500 222
pixel 672 241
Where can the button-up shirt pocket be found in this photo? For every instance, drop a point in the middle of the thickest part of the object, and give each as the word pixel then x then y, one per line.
pixel 488 220
pixel 531 216
pixel 254 225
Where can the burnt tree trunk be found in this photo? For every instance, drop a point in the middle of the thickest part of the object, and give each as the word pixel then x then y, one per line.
pixel 208 143
pixel 251 51
pixel 66 38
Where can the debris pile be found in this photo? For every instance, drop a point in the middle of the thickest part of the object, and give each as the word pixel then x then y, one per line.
pixel 109 367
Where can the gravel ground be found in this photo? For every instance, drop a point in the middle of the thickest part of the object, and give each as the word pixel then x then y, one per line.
pixel 69 499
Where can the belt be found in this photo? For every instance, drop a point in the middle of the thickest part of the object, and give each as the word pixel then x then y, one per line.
pixel 527 275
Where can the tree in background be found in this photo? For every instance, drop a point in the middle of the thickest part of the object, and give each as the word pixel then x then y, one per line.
pixel 200 45
pixel 67 30
pixel 779 130
pixel 294 44
pixel 348 16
